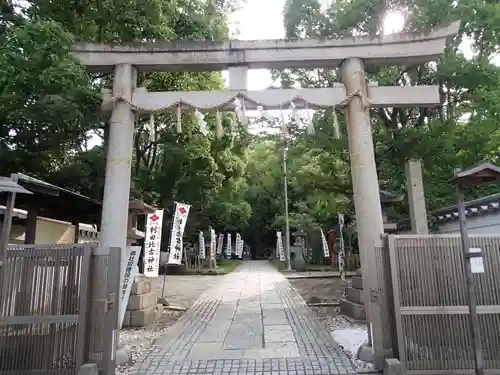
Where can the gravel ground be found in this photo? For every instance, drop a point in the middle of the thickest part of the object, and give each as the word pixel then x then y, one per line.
pixel 179 291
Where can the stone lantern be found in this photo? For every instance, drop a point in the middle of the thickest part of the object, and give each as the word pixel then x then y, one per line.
pixel 299 242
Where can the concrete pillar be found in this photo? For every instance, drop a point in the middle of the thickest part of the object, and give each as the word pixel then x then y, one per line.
pixel 114 220
pixel 366 191
pixel 416 197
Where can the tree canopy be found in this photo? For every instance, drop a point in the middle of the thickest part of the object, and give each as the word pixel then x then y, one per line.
pixel 50 115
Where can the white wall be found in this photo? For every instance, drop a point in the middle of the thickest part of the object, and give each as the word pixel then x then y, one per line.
pixel 484 224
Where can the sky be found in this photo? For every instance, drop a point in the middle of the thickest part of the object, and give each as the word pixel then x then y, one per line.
pixel 263 19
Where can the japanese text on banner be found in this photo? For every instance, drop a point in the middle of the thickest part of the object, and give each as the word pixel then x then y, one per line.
pixel 201 246
pixel 213 244
pixel 220 243
pixel 179 223
pixel 152 243
pixel 228 247
pixel 326 252
pixel 279 247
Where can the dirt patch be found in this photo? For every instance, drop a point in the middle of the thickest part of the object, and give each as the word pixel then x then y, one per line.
pixel 318 290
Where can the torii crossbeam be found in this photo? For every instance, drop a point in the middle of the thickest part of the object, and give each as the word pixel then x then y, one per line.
pixel 351 55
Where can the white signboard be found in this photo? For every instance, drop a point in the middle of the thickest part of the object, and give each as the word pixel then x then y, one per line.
pixel 476 263
pixel 176 245
pixel 201 246
pixel 130 270
pixel 152 243
pixel 326 252
pixel 220 243
pixel 279 247
pixel 213 244
pixel 228 246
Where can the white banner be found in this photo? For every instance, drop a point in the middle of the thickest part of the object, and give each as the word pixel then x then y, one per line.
pixel 220 243
pixel 152 243
pixel 326 252
pixel 279 247
pixel 213 244
pixel 341 249
pixel 237 248
pixel 130 270
pixel 201 246
pixel 176 245
pixel 228 246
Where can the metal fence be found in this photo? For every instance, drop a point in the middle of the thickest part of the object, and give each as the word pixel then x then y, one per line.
pixel 427 290
pixel 55 307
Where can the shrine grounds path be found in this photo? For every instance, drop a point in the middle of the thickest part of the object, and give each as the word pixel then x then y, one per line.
pixel 251 322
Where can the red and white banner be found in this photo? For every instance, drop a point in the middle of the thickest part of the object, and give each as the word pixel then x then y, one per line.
pixel 176 245
pixel 152 243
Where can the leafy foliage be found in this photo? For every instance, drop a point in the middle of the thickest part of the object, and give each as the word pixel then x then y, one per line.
pixel 49 111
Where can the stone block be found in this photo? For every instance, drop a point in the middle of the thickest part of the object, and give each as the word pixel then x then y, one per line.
pixel 365 353
pixel 126 319
pixel 144 317
pixel 353 310
pixel 355 295
pixel 392 366
pixel 141 287
pixel 278 333
pixel 88 369
pixel 237 340
pixel 142 301
pixel 357 282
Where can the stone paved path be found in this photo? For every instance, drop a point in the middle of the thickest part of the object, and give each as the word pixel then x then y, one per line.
pixel 251 322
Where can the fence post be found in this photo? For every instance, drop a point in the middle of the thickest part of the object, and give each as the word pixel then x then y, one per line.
pixel 83 305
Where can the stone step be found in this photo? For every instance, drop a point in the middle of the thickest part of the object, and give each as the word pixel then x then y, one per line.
pixel 355 295
pixel 357 282
pixel 353 310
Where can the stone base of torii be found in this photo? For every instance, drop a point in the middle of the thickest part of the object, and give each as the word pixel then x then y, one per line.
pixel 351 55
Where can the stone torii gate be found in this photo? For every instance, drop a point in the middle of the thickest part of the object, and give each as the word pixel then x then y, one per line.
pixel 352 55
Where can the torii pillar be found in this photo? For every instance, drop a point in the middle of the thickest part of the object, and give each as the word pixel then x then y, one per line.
pixel 368 208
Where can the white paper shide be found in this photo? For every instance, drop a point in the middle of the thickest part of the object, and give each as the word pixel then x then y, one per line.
pixel 326 252
pixel 152 243
pixel 176 245
pixel 201 246
pixel 279 247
